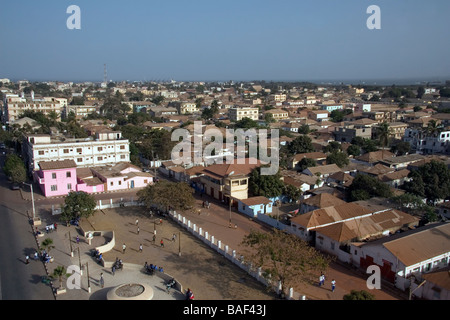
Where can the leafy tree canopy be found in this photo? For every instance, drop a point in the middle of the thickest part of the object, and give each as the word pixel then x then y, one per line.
pixel 178 195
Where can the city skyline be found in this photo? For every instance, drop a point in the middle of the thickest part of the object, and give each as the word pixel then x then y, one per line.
pixel 203 41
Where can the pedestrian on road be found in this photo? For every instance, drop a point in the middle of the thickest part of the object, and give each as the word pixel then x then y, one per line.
pixel 321 280
pixel 140 247
pixel 102 281
pixel 333 285
pixel 36 256
pixel 55 226
pixel 162 243
pixel 113 270
pixel 124 247
pixel 137 222
pixel 27 259
pixel 174 236
pixel 78 240
pixel 154 238
pixel 138 230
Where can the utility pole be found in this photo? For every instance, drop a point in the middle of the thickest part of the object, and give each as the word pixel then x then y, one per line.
pixel 412 278
pixel 79 261
pixel 70 242
pixel 87 271
pixel 179 243
pixel 32 199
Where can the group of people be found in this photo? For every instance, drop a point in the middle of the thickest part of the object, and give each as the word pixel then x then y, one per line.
pixel 46 257
pixel 150 268
pixel 51 227
pixel 322 282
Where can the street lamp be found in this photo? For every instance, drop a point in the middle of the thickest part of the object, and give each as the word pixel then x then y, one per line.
pixel 179 243
pixel 32 199
pixel 79 261
pixel 87 271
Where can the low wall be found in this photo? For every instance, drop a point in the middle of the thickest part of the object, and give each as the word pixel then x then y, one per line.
pixel 226 251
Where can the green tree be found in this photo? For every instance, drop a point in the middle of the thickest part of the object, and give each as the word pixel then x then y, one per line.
pixel 306 163
pixel 339 158
pixel 420 92
pixel 78 204
pixel 359 295
pixel 304 129
pixel 383 133
pixel 15 169
pixel 165 194
pixel 292 193
pixel 401 148
pixel 269 186
pixel 301 144
pixel 47 244
pixel 354 150
pixel 246 123
pixel 284 258
pixel 431 181
pixel 364 187
pixel 60 272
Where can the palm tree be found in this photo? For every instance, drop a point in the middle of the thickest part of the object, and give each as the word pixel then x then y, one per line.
pixel 383 132
pixel 433 128
pixel 47 244
pixel 60 272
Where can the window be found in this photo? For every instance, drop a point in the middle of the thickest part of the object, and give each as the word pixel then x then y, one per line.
pixel 112 183
pixel 41 153
pixel 99 158
pixel 100 148
pixel 54 188
pixel 122 147
pixel 79 150
pixel 69 186
pixel 80 160
pixel 68 174
pixel 122 156
pixel 120 183
pixel 66 151
pixel 53 175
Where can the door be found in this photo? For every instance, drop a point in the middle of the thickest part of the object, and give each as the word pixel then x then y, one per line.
pixel 132 184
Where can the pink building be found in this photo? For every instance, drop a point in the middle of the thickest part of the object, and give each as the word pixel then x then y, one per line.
pixel 122 176
pixel 56 178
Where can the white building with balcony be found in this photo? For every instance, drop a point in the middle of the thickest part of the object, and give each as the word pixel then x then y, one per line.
pixel 107 148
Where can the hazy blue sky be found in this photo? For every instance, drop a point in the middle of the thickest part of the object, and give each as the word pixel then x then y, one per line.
pixel 224 40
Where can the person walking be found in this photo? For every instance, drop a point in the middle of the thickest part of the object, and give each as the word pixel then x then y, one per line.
pixel 27 259
pixel 138 230
pixel 113 270
pixel 333 285
pixel 137 222
pixel 78 240
pixel 102 281
pixel 140 248
pixel 162 243
pixel 174 236
pixel 124 247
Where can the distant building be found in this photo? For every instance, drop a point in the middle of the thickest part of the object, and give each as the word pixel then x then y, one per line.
pixel 237 114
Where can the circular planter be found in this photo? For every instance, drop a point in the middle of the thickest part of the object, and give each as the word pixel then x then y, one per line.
pixel 130 291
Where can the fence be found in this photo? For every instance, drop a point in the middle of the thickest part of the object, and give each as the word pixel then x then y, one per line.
pixel 108 204
pixel 227 252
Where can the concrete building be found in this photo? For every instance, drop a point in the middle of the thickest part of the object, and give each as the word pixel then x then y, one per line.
pixel 15 106
pixel 349 132
pixel 237 114
pixel 108 147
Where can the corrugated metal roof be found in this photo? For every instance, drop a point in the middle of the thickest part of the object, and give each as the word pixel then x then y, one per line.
pixel 421 246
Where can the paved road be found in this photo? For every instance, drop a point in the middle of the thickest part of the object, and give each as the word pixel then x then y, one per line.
pixel 18 281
